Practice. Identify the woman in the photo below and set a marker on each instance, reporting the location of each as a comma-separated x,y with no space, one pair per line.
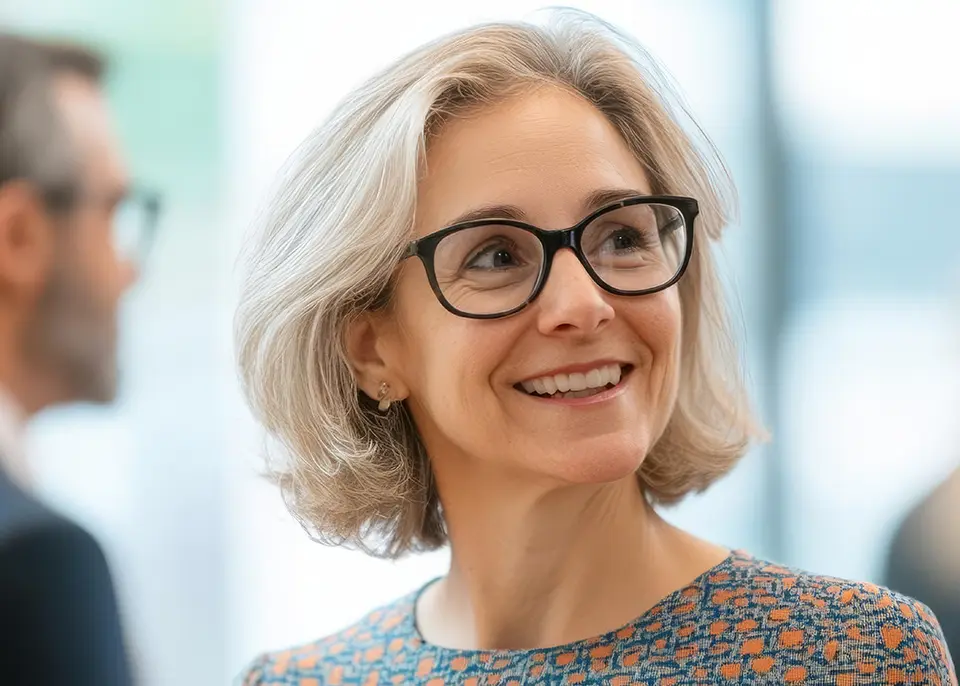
444,363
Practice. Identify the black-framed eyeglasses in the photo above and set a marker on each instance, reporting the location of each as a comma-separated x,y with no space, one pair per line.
490,268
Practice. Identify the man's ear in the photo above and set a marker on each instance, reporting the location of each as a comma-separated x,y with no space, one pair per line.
26,238
369,343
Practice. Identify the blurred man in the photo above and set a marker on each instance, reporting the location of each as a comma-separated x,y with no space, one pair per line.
62,181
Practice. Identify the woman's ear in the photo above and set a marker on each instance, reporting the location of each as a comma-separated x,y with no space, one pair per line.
369,343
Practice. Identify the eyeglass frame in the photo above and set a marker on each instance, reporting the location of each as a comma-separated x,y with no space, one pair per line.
551,242
67,198
152,203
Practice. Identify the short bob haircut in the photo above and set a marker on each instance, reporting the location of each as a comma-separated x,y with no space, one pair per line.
328,245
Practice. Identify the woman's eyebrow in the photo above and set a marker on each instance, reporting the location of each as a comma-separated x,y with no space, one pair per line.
492,211
594,200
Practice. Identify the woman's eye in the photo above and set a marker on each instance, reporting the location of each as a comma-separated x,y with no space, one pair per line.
493,257
626,239
623,241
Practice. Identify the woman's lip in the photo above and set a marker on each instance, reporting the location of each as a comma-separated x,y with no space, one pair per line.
577,369
602,396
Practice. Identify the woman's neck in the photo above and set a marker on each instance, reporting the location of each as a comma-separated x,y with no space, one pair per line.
542,567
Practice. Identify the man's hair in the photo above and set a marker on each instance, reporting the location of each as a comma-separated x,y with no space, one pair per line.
34,142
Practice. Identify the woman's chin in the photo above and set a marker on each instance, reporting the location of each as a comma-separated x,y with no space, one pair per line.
598,466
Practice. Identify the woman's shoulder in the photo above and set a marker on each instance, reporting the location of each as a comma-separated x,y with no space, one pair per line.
387,628
850,627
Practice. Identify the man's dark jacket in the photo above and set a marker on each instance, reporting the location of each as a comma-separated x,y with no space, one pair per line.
59,622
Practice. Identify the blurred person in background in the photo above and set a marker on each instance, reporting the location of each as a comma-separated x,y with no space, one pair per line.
442,364
924,556
63,271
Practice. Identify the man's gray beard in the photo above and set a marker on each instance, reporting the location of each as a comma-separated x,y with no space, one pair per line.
72,341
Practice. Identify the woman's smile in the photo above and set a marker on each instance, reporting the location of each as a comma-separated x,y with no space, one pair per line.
579,385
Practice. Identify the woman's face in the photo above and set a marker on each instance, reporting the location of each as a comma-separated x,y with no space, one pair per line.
545,154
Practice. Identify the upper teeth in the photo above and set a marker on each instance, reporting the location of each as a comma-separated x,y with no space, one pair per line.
595,378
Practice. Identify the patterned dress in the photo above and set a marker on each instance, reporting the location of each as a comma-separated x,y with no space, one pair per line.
745,621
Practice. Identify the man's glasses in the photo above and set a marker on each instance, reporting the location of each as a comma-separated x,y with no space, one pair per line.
490,268
135,224
133,217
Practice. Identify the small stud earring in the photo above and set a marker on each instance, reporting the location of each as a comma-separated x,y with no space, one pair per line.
384,402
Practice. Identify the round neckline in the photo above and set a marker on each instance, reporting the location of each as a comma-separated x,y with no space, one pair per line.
413,626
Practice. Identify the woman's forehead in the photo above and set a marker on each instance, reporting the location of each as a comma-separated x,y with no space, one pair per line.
546,153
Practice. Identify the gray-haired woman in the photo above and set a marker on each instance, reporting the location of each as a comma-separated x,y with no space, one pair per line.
482,312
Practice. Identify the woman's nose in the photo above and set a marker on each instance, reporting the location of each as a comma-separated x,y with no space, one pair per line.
571,302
